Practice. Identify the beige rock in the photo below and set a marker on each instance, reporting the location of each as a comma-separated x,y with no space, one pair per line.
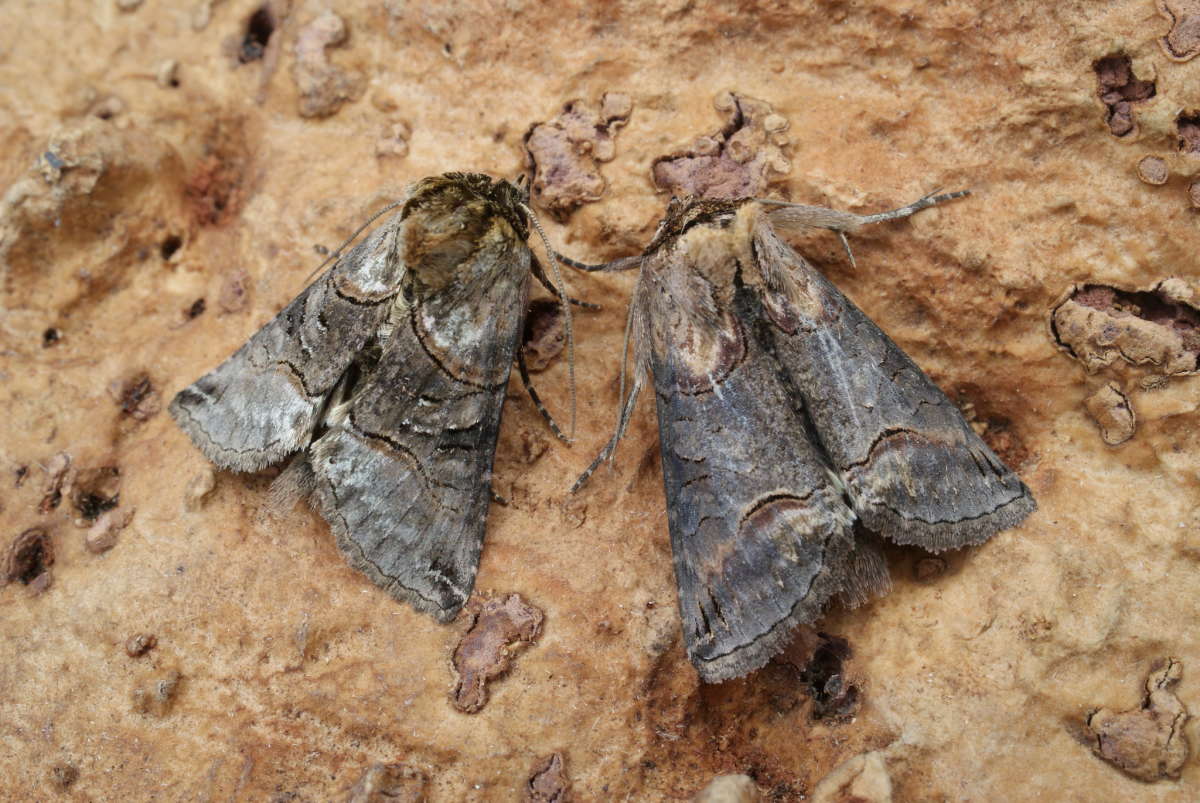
1147,742
1113,413
861,779
389,783
1153,170
102,535
548,783
729,789
966,673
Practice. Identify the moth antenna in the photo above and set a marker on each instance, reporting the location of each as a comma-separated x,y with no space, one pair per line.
537,400
620,263
849,253
564,300
624,374
791,215
924,202
351,238
541,277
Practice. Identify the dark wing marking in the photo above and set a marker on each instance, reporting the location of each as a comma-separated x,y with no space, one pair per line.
404,477
263,403
760,534
913,468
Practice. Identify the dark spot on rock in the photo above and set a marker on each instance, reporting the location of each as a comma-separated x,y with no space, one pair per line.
927,569
214,187
1188,126
138,645
19,476
824,677
52,159
1001,437
29,557
548,781
196,308
96,490
545,335
137,397
50,337
1119,89
63,776
259,28
170,245
497,629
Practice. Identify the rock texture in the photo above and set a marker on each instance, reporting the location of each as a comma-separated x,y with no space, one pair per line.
171,176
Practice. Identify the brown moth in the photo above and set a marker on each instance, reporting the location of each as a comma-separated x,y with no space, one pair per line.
385,379
786,418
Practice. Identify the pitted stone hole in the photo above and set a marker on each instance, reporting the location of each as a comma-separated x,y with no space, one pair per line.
50,337
1151,306
29,556
95,491
170,245
824,677
1119,89
259,29
1188,126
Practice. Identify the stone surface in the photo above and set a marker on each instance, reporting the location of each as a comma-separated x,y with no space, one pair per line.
1148,741
1113,413
279,673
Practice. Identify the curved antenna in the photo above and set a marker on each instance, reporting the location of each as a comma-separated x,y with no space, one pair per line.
352,237
566,309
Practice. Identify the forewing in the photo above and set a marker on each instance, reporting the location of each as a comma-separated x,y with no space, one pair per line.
262,403
913,468
760,535
404,477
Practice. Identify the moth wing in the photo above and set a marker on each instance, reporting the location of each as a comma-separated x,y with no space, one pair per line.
404,474
913,468
760,534
263,403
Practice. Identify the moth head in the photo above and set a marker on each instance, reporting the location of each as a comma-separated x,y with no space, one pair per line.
689,211
448,218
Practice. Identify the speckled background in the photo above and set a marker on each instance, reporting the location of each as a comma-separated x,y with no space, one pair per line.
134,188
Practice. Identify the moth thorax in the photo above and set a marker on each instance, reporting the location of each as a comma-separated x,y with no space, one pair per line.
441,244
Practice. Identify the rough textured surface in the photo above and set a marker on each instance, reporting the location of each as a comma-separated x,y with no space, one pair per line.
295,675
496,630
548,783
1148,741
1182,41
565,153
1113,413
739,160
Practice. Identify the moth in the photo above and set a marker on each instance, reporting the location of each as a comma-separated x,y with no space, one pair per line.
385,379
793,431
